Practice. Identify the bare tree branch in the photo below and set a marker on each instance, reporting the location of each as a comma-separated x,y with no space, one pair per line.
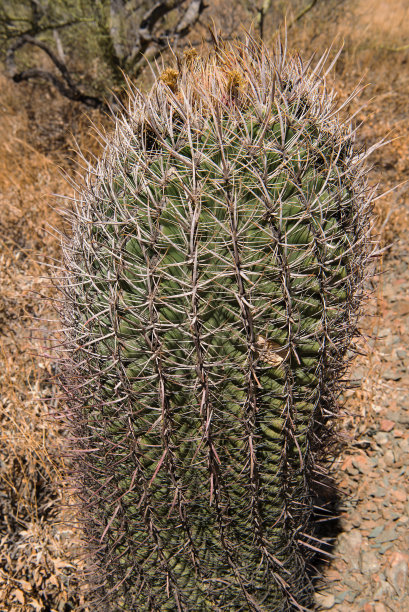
261,14
72,93
130,35
191,16
149,46
303,12
68,89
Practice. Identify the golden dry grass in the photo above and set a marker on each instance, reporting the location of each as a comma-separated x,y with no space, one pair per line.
375,40
38,561
39,551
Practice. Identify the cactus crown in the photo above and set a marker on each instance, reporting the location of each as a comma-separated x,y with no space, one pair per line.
214,278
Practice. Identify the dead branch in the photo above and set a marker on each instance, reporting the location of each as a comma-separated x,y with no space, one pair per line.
132,40
65,85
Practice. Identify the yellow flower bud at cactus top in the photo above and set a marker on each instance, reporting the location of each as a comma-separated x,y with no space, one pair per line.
170,78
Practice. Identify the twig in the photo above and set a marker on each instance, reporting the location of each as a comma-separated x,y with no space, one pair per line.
302,13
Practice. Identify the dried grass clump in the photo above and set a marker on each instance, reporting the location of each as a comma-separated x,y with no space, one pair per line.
37,536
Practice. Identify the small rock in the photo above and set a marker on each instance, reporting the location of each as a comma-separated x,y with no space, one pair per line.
404,401
384,332
403,418
348,466
388,535
325,601
358,374
381,438
384,591
386,425
397,572
399,495
379,492
400,416
389,515
339,598
389,458
360,603
402,308
383,548
351,596
349,546
401,354
374,461
347,463
362,464
352,582
369,563
345,523
404,445
376,531
391,375
355,519
379,607
333,575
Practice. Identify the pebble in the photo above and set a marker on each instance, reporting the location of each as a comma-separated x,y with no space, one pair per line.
369,562
355,519
380,492
399,495
391,375
389,457
397,572
352,582
349,546
362,464
381,438
325,601
387,425
339,598
384,332
387,536
404,444
383,591
399,417
383,548
376,531
389,515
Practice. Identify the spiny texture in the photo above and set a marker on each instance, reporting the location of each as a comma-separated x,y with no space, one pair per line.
214,279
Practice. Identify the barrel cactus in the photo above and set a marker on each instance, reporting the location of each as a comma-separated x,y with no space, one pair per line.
213,281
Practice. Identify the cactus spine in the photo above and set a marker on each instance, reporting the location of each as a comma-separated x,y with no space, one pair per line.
214,278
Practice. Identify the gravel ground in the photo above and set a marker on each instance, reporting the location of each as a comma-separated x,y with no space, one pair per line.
370,571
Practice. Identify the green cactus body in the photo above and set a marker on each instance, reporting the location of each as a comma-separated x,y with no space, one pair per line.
215,275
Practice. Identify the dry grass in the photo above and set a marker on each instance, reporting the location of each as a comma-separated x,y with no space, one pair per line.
38,563
39,550
375,40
